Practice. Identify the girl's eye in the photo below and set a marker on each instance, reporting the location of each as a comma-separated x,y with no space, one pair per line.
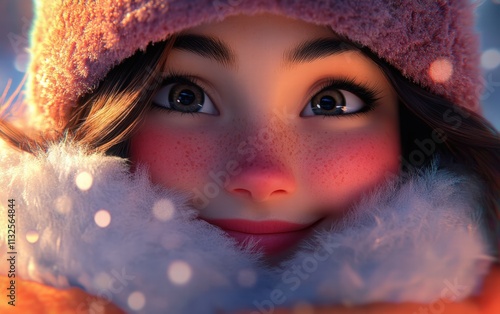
185,97
334,102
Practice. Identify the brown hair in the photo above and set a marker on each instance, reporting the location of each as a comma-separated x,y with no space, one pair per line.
466,138
105,119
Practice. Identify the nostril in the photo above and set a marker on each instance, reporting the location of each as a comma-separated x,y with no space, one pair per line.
260,185
256,195
278,192
243,192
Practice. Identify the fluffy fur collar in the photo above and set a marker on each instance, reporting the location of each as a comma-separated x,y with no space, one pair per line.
417,240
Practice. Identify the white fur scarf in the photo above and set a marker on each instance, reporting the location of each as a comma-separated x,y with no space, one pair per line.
420,240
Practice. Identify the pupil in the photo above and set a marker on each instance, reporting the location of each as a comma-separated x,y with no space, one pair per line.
327,103
186,97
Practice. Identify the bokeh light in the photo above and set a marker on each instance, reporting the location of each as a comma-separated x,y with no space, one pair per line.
441,70
21,62
84,180
163,209
102,218
179,272
490,59
136,300
32,236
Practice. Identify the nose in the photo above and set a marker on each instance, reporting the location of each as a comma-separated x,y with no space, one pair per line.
261,182
266,157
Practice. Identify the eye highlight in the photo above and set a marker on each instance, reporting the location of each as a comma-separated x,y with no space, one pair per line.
340,98
184,95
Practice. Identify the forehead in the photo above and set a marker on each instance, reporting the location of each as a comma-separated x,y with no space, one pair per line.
265,38
242,32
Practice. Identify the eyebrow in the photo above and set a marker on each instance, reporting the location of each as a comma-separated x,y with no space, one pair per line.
217,50
206,46
311,50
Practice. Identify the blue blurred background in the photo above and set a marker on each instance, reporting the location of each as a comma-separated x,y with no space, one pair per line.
16,16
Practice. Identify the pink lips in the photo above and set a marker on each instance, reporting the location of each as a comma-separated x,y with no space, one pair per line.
271,235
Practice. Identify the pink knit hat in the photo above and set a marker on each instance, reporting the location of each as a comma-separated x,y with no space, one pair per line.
75,43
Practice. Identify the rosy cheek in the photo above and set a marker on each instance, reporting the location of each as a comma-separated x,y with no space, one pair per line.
349,167
174,160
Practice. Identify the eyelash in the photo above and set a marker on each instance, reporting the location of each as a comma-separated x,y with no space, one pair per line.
179,77
174,77
368,95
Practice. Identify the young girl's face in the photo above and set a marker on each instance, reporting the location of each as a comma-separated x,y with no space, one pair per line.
272,125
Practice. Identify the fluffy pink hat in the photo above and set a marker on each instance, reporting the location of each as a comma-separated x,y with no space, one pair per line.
75,43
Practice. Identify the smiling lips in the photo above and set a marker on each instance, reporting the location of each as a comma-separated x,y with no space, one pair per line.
271,235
